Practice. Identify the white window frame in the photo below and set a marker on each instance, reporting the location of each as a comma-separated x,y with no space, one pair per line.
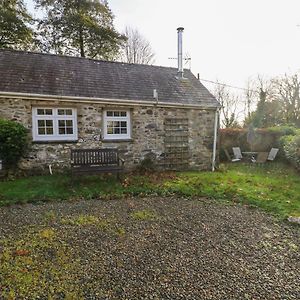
55,117
106,119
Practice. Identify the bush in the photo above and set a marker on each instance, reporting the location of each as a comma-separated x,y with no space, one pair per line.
146,165
284,130
13,141
291,148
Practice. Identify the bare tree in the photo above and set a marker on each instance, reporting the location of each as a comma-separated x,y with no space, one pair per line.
230,106
251,97
137,49
287,93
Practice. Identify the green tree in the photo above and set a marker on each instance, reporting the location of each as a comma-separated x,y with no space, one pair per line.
278,104
79,27
15,31
260,112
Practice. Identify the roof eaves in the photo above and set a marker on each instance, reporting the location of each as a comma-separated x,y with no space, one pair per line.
43,97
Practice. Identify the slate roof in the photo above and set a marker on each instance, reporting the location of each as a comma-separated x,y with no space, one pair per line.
46,74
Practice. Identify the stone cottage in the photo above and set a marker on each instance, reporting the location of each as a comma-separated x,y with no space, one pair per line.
144,111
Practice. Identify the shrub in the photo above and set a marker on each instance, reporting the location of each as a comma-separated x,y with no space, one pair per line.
146,165
291,148
13,141
284,130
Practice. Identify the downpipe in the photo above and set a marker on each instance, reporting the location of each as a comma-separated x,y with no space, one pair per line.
213,165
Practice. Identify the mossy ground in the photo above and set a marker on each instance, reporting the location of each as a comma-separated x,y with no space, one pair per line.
129,248
38,264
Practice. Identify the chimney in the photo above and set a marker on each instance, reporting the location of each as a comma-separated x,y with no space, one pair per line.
180,58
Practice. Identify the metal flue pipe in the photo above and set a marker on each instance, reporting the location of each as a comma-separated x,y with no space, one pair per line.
180,56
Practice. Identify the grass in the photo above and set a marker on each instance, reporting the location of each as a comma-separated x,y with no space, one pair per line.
273,187
143,215
84,220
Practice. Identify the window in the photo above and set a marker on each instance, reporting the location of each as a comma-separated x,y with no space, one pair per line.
116,125
54,124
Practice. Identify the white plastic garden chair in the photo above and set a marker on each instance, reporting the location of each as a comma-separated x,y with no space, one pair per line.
237,153
272,154
229,158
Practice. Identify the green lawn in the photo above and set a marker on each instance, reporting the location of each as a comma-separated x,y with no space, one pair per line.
274,187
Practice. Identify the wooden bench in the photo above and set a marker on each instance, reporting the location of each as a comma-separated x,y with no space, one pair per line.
94,161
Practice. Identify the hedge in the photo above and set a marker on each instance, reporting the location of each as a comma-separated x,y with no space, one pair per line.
264,139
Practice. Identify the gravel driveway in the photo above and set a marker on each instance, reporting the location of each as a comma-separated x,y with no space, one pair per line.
168,248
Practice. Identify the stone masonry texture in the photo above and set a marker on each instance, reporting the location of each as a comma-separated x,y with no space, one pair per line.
147,136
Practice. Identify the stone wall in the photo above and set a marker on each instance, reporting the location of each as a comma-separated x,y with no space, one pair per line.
147,133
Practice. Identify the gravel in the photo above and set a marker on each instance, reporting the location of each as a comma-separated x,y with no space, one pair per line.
187,249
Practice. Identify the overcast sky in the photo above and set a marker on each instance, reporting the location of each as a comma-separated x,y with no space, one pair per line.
231,40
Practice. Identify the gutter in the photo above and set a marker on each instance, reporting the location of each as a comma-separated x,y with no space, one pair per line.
213,164
105,101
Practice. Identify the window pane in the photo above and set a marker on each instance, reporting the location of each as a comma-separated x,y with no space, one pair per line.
61,130
69,130
123,113
62,112
48,111
49,123
109,113
116,124
124,130
116,113
49,130
69,123
61,123
41,130
45,127
116,130
41,123
40,111
123,124
109,130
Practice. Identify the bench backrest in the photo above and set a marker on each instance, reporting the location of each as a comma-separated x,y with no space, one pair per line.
102,157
